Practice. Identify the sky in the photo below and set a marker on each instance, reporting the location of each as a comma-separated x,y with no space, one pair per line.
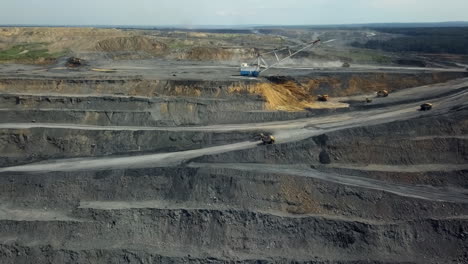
228,12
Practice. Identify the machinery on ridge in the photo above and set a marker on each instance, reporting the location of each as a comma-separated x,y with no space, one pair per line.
260,65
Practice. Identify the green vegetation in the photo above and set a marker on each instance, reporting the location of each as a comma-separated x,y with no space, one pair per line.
28,53
178,44
226,36
425,40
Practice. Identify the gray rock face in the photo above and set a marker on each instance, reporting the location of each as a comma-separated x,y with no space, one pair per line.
378,184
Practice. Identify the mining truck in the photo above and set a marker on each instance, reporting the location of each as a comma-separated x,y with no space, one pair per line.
74,62
382,93
426,107
322,97
267,139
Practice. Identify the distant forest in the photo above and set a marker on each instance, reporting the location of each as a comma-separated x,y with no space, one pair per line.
426,40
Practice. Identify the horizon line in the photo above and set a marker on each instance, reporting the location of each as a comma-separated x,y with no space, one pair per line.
213,26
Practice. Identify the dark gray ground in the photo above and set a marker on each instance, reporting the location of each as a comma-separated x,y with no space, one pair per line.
91,176
161,69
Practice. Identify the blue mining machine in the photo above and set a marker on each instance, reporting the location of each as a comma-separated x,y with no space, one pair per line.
249,70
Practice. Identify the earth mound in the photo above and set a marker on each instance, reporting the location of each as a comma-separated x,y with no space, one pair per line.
135,43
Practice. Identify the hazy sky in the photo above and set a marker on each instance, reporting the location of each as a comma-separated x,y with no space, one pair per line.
228,12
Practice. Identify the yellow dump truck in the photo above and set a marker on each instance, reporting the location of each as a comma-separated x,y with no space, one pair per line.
267,139
382,93
322,97
74,62
426,107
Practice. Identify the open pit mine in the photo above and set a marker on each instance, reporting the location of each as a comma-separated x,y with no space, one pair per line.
140,151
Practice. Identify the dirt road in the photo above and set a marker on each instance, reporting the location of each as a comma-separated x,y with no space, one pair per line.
286,131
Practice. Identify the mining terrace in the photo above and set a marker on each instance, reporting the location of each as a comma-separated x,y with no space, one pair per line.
157,161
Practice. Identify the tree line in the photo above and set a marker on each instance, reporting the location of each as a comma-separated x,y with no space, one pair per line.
424,40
